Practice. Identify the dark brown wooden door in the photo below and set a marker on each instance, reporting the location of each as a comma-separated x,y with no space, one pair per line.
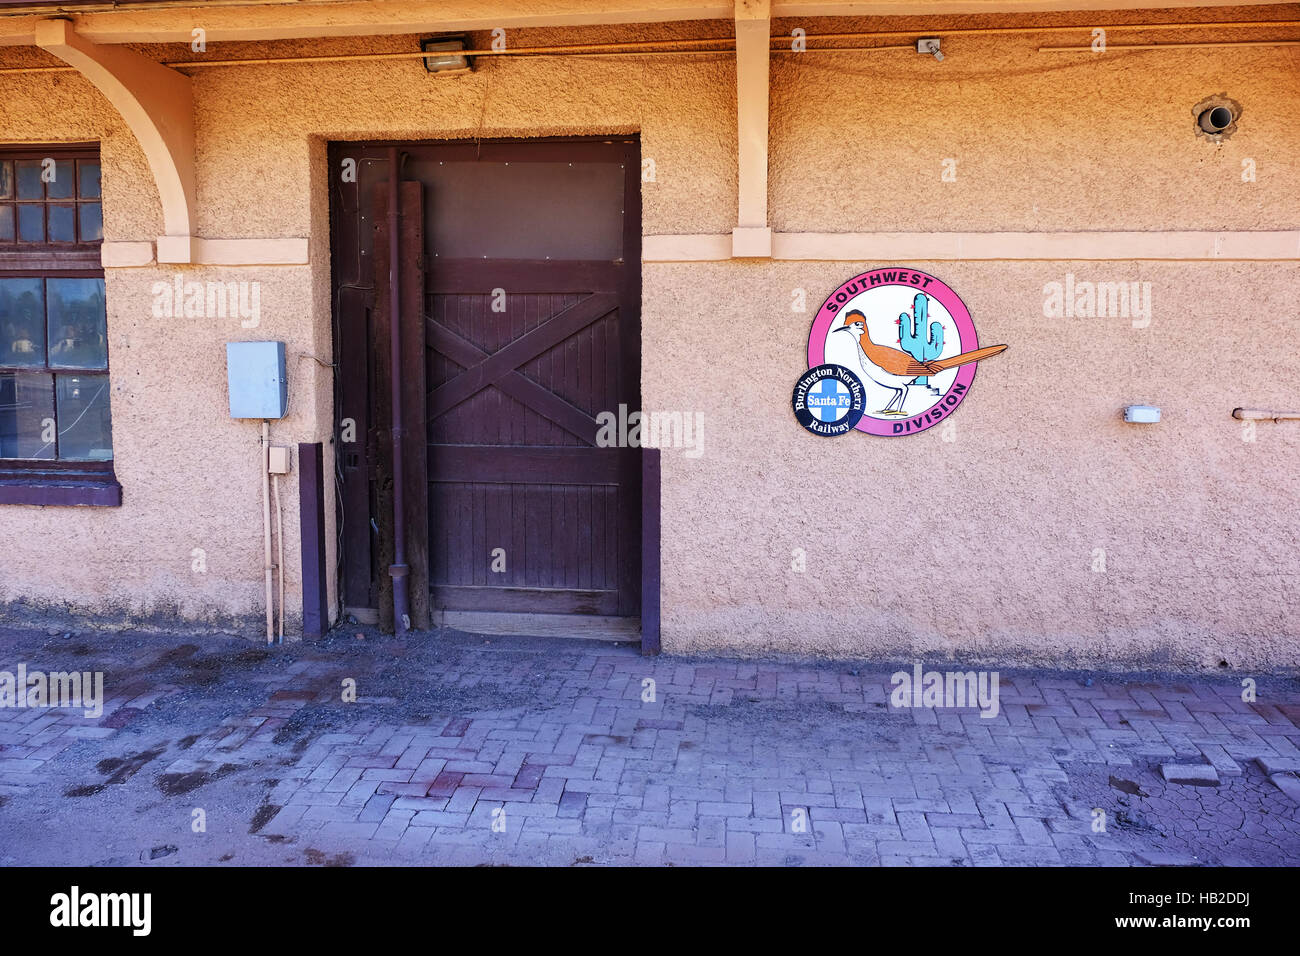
525,512
532,329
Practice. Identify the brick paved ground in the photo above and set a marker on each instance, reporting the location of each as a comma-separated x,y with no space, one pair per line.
462,749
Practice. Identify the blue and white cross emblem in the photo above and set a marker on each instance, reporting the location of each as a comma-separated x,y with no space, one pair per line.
829,400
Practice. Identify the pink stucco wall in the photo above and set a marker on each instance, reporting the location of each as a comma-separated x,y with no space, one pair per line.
985,543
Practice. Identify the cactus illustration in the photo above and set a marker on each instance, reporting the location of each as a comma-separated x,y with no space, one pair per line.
912,335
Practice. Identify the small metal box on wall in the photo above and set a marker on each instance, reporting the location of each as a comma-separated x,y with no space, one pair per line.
255,371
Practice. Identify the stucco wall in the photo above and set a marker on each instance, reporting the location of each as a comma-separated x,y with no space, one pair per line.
189,474
985,542
1041,141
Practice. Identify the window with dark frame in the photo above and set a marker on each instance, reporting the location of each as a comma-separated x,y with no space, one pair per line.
56,444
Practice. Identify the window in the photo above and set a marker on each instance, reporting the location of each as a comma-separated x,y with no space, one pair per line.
56,435
51,201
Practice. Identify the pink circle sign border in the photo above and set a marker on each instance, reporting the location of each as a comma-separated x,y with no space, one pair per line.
949,299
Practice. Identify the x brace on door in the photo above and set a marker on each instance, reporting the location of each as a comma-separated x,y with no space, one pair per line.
501,368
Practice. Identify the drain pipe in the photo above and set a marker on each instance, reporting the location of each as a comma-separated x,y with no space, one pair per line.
267,565
399,569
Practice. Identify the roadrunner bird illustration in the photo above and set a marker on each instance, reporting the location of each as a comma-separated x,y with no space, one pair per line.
896,370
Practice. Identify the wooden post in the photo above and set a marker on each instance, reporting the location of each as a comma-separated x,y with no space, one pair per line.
311,521
650,583
380,437
415,404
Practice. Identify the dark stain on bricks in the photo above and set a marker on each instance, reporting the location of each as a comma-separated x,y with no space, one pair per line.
204,671
317,858
304,696
226,858
120,718
176,655
122,769
88,790
177,784
208,670
264,815
1127,786
253,655
456,728
117,770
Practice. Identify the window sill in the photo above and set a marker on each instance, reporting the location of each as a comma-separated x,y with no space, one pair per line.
93,486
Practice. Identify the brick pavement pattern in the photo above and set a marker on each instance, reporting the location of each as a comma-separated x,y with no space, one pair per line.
460,749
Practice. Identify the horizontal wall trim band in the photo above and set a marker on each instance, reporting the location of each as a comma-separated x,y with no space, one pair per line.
125,255
910,246
108,22
191,250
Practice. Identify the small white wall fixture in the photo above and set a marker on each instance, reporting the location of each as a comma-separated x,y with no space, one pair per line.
157,104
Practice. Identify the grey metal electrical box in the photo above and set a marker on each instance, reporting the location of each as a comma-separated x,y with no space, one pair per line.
255,371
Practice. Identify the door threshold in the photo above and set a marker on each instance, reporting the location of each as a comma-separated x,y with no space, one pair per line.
586,626
363,615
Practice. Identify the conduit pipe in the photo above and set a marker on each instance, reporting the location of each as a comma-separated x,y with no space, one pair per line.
1263,415
1168,46
266,528
399,570
676,47
279,544
1074,27
726,44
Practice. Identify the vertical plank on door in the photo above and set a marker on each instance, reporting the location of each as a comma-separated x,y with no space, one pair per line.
415,441
381,397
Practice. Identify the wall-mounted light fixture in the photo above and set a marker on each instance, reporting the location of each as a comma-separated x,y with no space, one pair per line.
930,45
448,58
1141,414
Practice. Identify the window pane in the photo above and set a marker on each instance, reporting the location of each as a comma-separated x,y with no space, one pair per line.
6,223
63,223
6,179
78,326
467,202
89,183
29,179
31,223
61,185
92,222
26,415
85,426
22,314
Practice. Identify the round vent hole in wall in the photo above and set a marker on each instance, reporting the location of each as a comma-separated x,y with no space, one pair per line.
1216,117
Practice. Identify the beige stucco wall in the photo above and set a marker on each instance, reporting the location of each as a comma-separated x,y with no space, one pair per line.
985,542
190,475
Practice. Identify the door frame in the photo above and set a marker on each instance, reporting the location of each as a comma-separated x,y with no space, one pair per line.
344,397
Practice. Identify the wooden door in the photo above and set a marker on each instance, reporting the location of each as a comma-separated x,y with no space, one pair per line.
526,513
532,329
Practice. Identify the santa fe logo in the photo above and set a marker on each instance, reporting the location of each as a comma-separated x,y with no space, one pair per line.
906,338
